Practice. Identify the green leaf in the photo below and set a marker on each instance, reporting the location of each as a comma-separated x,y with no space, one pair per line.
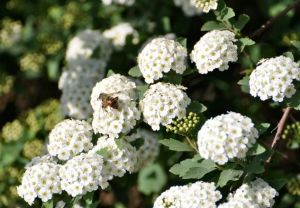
119,143
48,204
229,175
255,167
296,44
294,101
103,152
243,42
289,55
184,166
151,179
110,72
196,107
141,90
166,24
182,41
241,22
53,69
245,84
176,145
257,149
135,72
225,14
212,25
203,168
263,127
173,78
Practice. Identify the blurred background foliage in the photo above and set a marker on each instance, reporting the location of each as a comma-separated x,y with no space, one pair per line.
33,39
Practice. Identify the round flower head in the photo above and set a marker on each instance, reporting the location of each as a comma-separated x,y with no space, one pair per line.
162,103
119,33
121,2
69,138
205,5
148,149
82,174
119,156
188,8
160,56
199,194
226,137
273,78
257,192
114,105
86,43
214,51
40,181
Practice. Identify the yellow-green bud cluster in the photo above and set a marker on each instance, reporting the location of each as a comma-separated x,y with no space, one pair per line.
186,125
49,44
32,62
289,38
33,148
293,186
6,83
292,134
12,131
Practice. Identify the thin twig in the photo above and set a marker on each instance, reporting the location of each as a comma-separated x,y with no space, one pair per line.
270,22
280,128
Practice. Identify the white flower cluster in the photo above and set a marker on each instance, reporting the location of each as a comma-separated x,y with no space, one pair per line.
226,137
205,5
257,194
149,148
188,8
40,181
162,103
273,78
82,174
69,138
199,194
214,51
118,155
114,103
84,68
121,2
119,33
88,44
160,56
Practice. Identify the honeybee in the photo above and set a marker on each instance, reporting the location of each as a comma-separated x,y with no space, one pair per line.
109,101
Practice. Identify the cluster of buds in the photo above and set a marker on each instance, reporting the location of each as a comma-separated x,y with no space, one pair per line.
293,186
186,125
292,134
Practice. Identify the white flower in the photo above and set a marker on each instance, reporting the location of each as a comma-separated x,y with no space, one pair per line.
188,8
226,137
82,174
238,203
214,51
121,2
40,181
114,103
160,56
273,78
119,33
69,138
86,44
162,103
119,156
199,194
149,148
258,193
205,5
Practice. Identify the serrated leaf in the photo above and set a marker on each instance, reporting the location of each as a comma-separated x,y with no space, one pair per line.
244,42
241,22
229,175
196,107
103,152
203,168
245,84
135,72
257,149
151,179
184,166
176,145
225,14
263,127
141,90
212,25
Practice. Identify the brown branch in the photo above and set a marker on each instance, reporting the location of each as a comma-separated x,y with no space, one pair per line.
270,22
280,128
